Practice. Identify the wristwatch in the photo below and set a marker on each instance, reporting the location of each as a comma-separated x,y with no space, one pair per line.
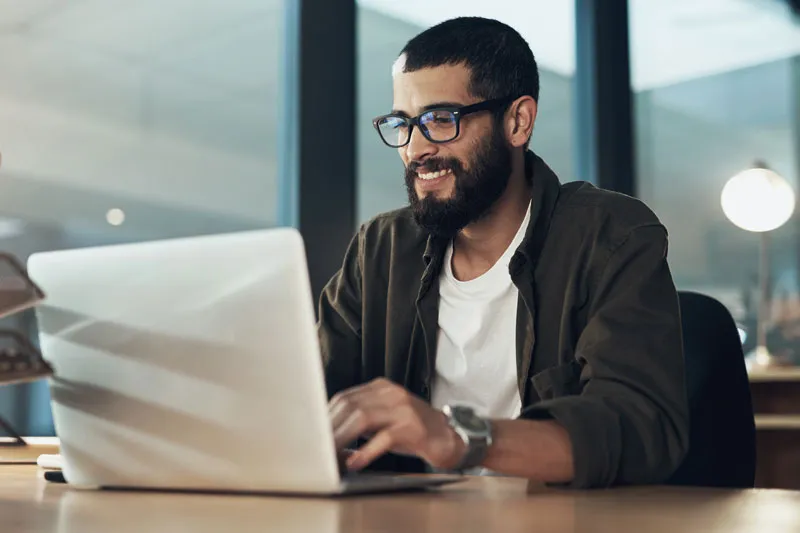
476,432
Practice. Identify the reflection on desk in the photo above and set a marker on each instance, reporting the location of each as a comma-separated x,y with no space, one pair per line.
30,505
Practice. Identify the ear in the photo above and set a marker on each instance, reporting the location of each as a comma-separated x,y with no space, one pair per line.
520,118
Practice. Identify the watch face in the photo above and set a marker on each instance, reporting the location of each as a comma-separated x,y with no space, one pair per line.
469,420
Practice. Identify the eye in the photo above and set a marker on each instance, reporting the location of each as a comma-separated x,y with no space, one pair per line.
438,118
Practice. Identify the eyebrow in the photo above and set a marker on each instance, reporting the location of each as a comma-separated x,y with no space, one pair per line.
436,105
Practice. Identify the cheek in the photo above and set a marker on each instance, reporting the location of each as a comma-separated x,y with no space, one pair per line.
466,148
465,155
402,153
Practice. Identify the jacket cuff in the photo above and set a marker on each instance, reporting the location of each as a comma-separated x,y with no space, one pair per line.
595,435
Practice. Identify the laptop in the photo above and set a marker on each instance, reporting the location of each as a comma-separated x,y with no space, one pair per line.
192,364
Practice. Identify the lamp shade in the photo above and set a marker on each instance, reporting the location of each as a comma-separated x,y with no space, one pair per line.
758,200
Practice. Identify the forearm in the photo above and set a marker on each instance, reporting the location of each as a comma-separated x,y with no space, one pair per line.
533,449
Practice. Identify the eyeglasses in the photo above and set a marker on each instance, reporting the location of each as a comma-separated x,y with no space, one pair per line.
439,125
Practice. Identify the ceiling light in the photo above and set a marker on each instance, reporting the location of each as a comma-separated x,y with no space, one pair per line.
115,216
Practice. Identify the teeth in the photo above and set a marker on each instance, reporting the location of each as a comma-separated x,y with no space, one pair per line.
434,175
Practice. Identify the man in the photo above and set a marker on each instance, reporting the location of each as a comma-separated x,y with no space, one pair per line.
502,320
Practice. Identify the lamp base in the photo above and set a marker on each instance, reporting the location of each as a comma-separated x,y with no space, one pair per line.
762,359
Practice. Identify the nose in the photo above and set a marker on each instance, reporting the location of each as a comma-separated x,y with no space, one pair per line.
419,148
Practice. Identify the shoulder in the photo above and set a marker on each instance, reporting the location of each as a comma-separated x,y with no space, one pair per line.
609,218
584,199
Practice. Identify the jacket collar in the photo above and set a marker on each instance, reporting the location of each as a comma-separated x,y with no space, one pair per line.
545,189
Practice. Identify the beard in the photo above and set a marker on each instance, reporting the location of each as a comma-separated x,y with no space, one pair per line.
476,188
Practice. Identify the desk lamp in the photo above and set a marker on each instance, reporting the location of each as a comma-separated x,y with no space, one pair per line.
761,201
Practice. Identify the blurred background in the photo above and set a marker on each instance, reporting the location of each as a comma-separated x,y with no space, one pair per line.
125,121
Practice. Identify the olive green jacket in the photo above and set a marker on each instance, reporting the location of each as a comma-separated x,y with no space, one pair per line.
599,342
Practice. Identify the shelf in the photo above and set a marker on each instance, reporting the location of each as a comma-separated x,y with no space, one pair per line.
775,374
777,422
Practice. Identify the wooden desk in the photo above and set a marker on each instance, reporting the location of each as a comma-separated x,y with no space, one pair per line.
28,454
28,504
776,405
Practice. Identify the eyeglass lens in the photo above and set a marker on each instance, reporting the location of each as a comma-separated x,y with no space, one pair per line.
437,125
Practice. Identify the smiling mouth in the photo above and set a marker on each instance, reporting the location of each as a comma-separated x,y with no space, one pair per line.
428,176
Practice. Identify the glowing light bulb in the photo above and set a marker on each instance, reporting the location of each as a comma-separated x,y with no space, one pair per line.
115,216
758,200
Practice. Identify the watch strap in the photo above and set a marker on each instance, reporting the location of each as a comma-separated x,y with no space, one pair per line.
477,445
477,448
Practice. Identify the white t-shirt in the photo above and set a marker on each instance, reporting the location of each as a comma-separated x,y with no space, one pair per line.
476,361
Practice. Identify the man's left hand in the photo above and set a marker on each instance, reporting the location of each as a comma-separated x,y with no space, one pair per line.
398,422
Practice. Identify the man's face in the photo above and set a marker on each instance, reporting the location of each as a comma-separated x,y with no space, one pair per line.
453,184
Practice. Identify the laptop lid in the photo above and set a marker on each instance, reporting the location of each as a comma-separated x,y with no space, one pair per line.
187,363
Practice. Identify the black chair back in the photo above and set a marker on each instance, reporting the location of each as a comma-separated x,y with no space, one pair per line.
722,439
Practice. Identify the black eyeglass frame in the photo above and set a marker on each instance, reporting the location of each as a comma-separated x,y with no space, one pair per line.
458,112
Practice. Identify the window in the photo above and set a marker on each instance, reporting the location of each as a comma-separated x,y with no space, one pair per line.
717,86
128,121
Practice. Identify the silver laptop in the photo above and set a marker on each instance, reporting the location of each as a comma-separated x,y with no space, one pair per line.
192,364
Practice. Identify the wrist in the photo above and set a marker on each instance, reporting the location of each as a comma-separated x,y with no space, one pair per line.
473,436
457,448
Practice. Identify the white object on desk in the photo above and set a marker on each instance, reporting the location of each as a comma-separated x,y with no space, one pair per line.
50,462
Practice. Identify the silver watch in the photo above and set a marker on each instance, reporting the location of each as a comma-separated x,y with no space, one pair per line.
476,432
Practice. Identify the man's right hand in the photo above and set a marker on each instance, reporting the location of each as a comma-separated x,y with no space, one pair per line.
342,456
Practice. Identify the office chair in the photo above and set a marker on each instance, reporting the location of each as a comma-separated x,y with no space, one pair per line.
722,430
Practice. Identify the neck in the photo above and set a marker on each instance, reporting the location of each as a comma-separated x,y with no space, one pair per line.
477,247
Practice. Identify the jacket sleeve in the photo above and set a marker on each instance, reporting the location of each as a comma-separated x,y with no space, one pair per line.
339,322
630,423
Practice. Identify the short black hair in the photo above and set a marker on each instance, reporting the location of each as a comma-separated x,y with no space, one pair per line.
500,61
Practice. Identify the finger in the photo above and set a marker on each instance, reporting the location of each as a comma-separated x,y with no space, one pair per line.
343,404
347,429
378,445
379,394
342,397
340,411
342,456
375,390
361,421
344,453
